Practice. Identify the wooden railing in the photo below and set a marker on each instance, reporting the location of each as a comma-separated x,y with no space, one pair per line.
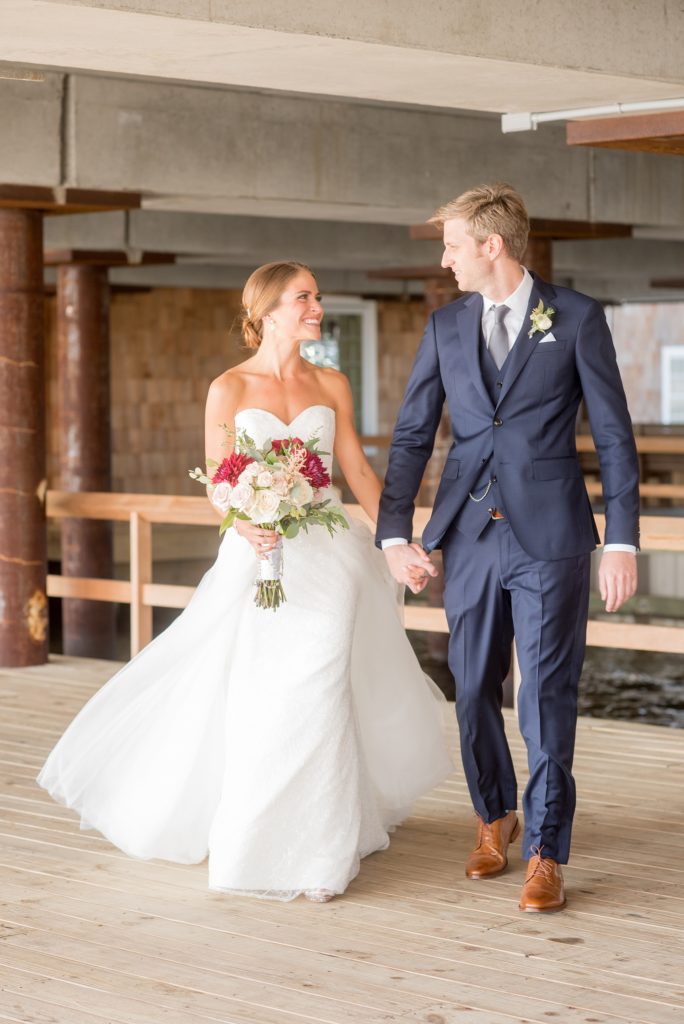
647,445
142,511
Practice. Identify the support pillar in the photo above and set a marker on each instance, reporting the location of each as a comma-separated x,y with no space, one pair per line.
88,627
23,532
538,257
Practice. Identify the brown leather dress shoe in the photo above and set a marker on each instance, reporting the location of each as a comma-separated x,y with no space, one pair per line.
543,891
489,858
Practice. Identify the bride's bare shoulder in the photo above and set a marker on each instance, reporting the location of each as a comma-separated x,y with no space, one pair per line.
334,384
229,385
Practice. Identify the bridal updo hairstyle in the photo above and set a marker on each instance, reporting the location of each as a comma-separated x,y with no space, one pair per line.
262,293
490,210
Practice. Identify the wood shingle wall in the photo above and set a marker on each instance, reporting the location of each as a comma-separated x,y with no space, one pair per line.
167,345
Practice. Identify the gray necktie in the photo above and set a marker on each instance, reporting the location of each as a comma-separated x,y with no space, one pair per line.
498,339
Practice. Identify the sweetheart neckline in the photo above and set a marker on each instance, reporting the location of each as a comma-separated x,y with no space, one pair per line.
276,417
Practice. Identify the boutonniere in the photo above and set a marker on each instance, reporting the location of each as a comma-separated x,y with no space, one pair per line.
541,318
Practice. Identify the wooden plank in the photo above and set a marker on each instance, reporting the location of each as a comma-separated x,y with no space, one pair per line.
86,930
619,635
657,132
671,491
141,574
92,589
167,595
155,508
646,444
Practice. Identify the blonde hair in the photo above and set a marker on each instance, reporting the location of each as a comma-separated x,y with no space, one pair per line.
262,293
490,210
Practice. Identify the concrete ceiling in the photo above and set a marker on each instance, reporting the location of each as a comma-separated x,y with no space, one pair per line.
175,98
467,55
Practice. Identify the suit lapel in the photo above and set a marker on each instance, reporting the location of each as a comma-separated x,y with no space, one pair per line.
524,346
469,320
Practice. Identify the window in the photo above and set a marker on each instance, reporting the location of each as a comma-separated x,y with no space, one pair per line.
349,343
672,384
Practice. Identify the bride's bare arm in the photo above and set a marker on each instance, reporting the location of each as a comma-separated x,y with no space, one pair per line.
413,565
358,473
222,403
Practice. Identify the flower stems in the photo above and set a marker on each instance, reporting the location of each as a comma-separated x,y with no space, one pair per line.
269,594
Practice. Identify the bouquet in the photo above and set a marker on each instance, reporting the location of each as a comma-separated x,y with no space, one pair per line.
279,487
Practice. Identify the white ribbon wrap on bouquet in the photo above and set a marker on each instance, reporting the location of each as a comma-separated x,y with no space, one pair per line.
271,565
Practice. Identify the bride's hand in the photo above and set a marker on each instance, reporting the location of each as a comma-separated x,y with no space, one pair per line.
410,565
261,540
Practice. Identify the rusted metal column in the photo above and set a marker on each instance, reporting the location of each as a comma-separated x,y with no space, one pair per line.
23,535
88,627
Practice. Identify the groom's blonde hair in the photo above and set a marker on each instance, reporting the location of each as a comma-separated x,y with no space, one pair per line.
490,210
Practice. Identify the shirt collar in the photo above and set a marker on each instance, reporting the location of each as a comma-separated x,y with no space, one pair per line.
518,300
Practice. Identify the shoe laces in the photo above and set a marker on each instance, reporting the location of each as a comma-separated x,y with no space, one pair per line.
542,865
484,834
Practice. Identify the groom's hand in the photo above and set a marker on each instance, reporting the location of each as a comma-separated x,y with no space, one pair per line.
617,578
410,565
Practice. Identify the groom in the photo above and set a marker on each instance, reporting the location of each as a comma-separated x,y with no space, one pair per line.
513,359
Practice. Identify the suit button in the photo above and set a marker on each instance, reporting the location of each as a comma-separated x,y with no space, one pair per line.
493,479
483,461
499,384
498,422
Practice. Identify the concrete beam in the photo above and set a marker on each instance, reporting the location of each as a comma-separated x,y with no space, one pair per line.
31,144
620,269
229,151
228,240
536,56
215,249
213,276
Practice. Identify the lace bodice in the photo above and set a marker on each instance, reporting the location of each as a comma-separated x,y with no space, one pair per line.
314,421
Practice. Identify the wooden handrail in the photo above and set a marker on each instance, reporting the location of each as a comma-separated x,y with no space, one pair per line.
658,533
646,444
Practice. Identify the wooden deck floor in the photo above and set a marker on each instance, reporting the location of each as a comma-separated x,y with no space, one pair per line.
89,936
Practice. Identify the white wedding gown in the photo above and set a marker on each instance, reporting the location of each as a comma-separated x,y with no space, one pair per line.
285,745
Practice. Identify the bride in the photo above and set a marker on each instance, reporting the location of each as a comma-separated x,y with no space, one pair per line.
284,745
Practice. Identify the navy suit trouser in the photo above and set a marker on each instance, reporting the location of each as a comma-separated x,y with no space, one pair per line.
494,591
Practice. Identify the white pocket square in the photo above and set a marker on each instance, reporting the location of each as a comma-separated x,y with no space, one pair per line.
547,337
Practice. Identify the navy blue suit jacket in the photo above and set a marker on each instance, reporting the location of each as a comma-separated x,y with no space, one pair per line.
528,436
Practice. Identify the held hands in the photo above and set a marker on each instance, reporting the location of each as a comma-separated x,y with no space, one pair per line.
261,540
410,565
617,578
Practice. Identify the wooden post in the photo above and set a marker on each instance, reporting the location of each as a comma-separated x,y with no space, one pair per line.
23,537
141,573
88,627
538,257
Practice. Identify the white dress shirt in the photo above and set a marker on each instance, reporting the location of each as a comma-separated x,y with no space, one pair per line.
517,303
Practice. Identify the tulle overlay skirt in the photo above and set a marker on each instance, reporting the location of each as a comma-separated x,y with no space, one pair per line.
285,746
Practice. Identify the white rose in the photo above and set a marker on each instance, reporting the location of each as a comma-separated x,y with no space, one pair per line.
302,493
280,485
221,496
242,496
249,472
265,507
544,322
263,478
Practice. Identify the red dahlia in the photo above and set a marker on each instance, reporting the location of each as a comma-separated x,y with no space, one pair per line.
315,472
230,469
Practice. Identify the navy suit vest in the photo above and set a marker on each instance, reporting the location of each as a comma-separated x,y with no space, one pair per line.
474,515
